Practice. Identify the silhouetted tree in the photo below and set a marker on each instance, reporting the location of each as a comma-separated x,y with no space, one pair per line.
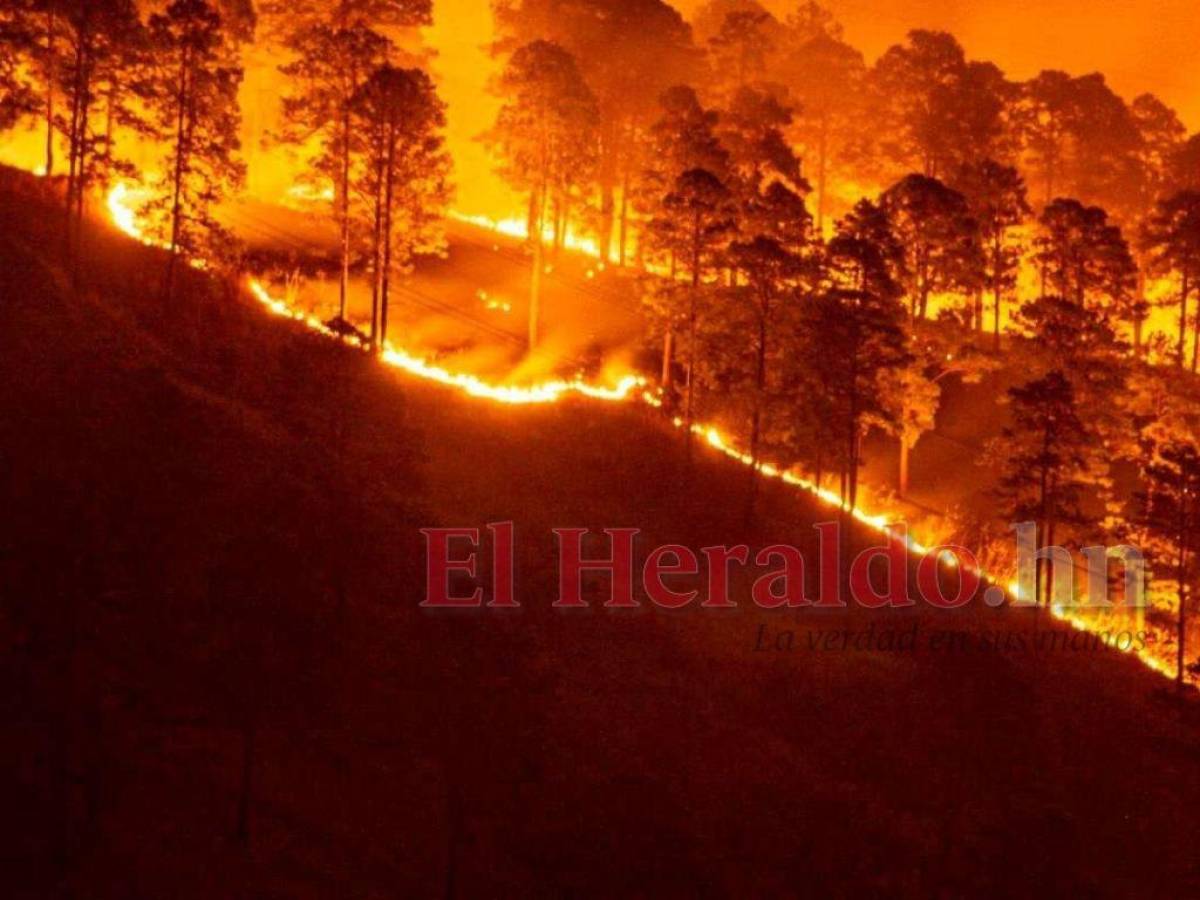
1045,113
772,267
405,167
1184,167
741,48
100,44
332,63
825,78
1171,513
192,94
545,130
683,139
936,109
696,222
940,239
1171,238
1081,140
1162,135
1042,459
854,326
996,201
628,52
1084,257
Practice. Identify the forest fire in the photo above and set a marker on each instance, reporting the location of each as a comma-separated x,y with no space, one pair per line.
439,432
628,388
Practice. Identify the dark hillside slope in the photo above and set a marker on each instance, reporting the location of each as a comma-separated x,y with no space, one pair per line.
216,681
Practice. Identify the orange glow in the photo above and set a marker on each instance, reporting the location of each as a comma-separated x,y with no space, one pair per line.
629,387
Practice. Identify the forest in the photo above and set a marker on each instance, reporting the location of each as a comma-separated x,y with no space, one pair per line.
820,246
279,294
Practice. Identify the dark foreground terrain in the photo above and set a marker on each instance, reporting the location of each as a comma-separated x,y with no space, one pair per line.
216,680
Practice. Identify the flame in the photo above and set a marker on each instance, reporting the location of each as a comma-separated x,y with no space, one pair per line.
123,211
518,228
629,388
547,392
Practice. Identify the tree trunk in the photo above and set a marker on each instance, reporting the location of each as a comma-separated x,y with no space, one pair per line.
181,151
51,75
607,199
822,174
377,255
668,340
1196,342
760,384
1182,580
905,452
1183,318
624,223
344,214
692,312
388,203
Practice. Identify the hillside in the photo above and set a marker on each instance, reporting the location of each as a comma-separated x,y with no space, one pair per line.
218,681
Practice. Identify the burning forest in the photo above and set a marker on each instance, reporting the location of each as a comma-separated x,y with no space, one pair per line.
436,426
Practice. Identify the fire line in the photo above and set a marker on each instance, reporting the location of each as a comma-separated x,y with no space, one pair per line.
629,388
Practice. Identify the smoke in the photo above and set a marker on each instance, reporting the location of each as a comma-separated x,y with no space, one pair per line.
1140,45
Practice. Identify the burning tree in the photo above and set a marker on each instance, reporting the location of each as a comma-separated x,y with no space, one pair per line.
99,50
192,93
1171,514
628,52
1084,257
1171,238
940,239
826,78
695,223
545,136
404,173
336,47
1043,460
854,328
997,203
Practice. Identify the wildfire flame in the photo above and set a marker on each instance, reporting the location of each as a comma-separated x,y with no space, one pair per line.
629,388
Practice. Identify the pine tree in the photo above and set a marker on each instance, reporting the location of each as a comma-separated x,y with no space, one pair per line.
192,94
335,48
697,221
1171,238
404,172
940,239
1084,257
331,66
1171,509
1043,460
854,329
545,135
101,43
996,200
